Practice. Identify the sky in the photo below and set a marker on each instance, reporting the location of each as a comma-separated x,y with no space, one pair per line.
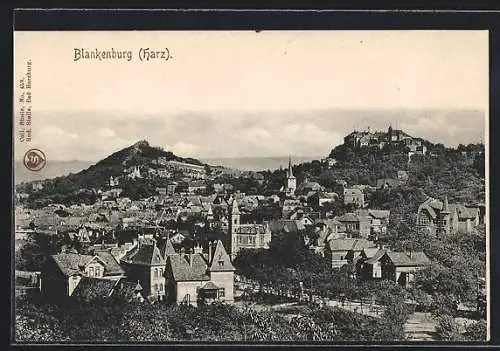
248,94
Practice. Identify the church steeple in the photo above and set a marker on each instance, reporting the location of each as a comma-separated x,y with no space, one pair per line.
446,208
235,210
290,170
291,182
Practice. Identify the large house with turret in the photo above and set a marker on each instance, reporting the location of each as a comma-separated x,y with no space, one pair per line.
199,277
146,264
245,236
440,217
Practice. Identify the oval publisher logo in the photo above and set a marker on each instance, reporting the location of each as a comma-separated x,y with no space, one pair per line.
34,160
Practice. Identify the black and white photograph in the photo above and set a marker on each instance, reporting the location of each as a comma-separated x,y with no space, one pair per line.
286,186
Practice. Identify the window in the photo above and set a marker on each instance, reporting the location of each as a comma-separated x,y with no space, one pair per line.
221,293
97,271
235,221
341,258
161,272
221,263
161,287
156,272
155,288
91,271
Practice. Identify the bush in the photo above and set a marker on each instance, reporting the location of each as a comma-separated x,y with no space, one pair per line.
475,331
447,329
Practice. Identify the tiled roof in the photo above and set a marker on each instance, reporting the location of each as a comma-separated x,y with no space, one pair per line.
72,263
112,266
371,251
195,200
464,212
144,254
434,203
374,258
92,288
221,261
348,217
361,244
167,248
127,289
404,259
182,270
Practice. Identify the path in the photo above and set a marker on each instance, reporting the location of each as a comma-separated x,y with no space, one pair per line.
420,327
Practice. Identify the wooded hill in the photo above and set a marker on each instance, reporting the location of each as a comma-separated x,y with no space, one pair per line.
81,186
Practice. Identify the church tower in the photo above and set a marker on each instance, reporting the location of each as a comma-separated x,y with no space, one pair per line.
234,223
444,218
291,181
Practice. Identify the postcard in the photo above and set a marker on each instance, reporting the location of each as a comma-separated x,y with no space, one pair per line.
251,186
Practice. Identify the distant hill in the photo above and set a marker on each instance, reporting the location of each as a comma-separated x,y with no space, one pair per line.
139,154
96,176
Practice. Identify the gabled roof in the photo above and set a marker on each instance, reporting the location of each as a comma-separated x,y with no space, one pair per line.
167,248
127,289
73,263
375,257
145,254
112,267
182,270
220,260
370,252
404,259
92,288
464,212
380,214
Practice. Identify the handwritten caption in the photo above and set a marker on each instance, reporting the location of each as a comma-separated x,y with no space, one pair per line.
24,101
142,54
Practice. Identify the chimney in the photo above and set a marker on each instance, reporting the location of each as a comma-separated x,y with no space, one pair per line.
209,251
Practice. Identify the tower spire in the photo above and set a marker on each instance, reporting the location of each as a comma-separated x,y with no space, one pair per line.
235,210
445,205
290,173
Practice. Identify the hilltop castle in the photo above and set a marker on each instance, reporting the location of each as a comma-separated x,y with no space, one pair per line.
379,139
